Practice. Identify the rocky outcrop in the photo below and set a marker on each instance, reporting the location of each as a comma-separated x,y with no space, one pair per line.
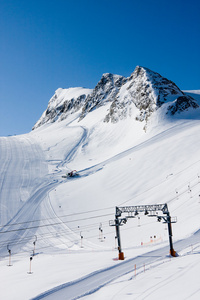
105,91
137,96
181,104
62,104
147,91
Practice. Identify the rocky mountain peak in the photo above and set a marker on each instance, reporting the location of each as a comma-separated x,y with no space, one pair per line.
146,91
137,96
105,91
147,82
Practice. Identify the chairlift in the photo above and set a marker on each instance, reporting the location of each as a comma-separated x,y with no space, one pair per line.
124,220
159,219
9,251
152,214
150,210
130,215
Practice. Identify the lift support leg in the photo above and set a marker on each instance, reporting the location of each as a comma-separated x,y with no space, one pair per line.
121,254
172,251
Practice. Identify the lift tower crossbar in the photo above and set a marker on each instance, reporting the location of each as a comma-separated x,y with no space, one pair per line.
150,210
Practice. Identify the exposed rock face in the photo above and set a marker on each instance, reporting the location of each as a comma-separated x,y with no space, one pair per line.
147,91
105,91
63,103
137,96
182,103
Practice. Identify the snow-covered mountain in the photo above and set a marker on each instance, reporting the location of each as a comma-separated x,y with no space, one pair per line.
63,103
105,91
148,91
63,223
138,96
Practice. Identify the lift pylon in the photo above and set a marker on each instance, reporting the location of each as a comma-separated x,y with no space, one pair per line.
149,210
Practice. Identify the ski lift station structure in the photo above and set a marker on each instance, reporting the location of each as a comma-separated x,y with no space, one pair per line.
150,211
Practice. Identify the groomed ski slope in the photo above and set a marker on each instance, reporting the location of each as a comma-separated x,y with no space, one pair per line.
117,165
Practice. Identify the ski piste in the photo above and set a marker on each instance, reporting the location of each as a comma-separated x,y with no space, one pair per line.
37,202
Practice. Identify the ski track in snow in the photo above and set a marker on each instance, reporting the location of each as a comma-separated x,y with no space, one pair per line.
23,166
93,282
23,155
152,140
73,151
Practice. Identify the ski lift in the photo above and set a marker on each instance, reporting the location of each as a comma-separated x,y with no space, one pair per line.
34,243
9,251
152,214
130,215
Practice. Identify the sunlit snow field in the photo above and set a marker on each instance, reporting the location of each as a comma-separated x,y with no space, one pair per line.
118,164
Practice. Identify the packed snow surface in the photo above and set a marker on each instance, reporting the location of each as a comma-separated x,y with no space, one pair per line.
63,223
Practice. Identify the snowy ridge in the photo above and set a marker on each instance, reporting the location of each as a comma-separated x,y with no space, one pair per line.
63,103
119,164
105,91
145,92
138,97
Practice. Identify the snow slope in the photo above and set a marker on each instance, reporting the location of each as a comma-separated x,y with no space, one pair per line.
118,164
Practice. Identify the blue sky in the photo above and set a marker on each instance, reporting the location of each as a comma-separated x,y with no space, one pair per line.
45,45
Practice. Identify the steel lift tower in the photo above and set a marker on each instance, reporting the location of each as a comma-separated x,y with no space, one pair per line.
150,211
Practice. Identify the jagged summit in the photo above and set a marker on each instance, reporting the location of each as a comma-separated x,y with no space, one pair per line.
147,91
161,85
105,91
137,96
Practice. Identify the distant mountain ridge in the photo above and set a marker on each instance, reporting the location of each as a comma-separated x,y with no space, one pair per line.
144,91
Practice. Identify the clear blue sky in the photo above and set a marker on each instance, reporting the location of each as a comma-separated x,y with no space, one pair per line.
49,44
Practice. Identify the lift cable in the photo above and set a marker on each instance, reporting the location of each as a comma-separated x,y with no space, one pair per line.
63,216
58,223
